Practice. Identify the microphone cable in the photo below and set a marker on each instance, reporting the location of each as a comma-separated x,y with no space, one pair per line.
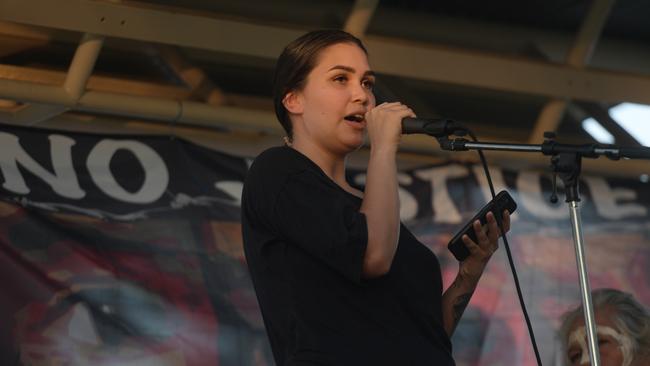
509,254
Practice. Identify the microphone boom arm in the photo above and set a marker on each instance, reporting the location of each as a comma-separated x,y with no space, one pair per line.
550,147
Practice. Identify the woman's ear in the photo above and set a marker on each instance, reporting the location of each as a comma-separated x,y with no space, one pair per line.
293,103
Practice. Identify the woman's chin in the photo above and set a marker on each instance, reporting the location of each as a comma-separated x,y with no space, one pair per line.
354,144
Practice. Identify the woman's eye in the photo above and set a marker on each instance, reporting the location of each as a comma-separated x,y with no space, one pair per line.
341,79
368,84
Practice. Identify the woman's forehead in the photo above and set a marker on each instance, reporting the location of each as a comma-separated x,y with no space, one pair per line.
343,55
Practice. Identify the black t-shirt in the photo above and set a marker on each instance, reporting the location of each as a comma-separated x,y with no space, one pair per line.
304,240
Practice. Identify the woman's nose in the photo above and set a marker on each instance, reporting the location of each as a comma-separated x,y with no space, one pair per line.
360,95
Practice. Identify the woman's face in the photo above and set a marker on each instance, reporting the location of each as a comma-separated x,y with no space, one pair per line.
329,111
615,347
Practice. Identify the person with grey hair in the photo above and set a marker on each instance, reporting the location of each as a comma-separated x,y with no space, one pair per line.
622,327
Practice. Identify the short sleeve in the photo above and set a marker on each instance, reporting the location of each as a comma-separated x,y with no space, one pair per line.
323,221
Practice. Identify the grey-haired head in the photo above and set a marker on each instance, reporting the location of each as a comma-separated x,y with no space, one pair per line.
629,318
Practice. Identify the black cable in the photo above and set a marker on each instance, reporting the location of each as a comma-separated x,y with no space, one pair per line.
510,261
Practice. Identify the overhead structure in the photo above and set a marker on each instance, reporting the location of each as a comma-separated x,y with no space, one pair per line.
359,18
578,57
209,64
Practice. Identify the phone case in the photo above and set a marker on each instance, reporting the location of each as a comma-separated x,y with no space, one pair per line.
502,201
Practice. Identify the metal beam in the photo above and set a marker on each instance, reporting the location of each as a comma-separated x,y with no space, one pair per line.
34,33
360,16
412,60
506,73
74,84
429,28
590,30
579,55
95,82
174,111
198,81
12,45
82,65
601,114
150,24
32,114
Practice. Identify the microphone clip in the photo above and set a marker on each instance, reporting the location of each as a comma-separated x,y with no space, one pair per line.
457,144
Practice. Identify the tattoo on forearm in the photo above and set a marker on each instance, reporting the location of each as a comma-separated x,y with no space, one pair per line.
460,303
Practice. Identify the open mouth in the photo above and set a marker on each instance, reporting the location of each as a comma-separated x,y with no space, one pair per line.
355,118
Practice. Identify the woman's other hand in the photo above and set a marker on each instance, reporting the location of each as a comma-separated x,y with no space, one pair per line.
488,243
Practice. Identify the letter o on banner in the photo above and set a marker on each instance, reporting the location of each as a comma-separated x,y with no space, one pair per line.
156,174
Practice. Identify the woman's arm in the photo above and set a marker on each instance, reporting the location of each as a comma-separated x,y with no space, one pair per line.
381,201
457,296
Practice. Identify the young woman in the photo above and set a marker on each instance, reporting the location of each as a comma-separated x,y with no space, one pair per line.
339,280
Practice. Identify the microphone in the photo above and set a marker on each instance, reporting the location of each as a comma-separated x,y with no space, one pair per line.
436,127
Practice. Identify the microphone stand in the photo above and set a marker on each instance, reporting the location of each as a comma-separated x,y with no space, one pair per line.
566,162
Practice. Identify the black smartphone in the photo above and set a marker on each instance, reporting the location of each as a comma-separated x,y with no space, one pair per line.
502,201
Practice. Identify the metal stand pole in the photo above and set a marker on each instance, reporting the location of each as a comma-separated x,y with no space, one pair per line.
592,339
567,166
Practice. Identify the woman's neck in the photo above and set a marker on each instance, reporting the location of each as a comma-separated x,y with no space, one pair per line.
332,164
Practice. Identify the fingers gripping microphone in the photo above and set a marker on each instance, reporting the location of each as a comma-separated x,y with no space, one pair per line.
437,127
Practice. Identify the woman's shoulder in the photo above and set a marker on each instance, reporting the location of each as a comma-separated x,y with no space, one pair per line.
275,154
274,166
281,161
